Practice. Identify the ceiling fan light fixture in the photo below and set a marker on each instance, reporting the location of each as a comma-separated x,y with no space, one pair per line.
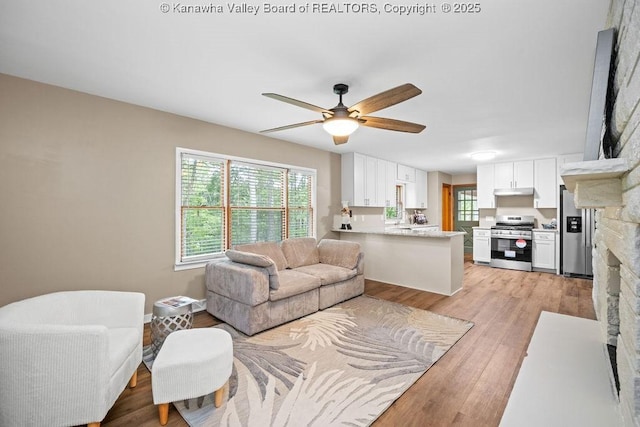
340,126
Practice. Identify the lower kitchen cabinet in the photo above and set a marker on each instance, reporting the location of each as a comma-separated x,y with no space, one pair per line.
481,245
544,250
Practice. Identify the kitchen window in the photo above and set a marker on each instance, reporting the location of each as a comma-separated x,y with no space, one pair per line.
224,201
395,212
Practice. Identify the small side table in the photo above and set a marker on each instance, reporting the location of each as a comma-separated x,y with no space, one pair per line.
169,315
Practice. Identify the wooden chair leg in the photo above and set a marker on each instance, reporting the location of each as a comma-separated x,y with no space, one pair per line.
93,424
163,412
134,379
217,396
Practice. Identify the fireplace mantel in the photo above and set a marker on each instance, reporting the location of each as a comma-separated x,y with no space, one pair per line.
595,184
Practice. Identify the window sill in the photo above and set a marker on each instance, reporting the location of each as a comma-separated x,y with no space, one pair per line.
195,264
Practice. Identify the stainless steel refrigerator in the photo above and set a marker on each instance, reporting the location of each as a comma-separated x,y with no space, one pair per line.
576,237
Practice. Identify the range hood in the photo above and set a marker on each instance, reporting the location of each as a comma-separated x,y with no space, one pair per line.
525,191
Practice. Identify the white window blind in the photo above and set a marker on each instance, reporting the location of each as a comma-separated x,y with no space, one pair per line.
256,203
202,213
300,203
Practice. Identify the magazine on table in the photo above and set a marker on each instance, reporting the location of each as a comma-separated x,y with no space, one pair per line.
179,301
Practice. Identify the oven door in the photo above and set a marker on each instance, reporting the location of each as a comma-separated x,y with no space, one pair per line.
509,252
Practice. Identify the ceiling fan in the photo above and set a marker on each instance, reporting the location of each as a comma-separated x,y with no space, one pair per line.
341,121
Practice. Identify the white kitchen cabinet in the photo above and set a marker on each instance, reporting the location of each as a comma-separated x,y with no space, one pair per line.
359,180
390,185
416,193
406,173
485,186
545,185
544,250
481,245
386,183
514,174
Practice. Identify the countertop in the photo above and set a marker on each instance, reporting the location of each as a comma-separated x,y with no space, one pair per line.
415,232
548,230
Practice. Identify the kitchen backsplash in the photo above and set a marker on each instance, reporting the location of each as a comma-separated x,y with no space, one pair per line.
362,218
512,205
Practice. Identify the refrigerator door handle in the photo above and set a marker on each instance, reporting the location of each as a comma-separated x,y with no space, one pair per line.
583,213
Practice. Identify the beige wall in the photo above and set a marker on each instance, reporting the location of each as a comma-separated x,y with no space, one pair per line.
88,191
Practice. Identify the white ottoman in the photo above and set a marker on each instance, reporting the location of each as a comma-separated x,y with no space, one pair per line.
191,363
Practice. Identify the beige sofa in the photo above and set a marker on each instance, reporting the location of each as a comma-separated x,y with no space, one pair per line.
262,285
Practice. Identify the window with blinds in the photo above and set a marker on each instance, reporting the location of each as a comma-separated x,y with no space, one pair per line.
300,204
202,213
257,204
225,202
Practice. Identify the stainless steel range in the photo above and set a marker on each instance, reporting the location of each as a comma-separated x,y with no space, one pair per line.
511,242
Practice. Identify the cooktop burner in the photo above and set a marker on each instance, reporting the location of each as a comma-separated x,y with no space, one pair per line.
515,222
513,226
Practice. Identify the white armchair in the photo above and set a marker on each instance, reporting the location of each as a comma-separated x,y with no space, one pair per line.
65,357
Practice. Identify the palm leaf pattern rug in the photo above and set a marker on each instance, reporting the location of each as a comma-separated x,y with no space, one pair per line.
341,366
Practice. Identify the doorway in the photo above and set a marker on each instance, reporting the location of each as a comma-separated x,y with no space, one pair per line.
465,212
447,208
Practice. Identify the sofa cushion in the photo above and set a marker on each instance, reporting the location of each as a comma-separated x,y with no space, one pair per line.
293,282
256,260
300,251
270,249
339,252
249,258
328,274
122,342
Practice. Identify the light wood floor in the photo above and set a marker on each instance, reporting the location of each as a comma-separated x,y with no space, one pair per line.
470,385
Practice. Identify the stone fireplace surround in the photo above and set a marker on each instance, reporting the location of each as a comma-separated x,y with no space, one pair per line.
616,253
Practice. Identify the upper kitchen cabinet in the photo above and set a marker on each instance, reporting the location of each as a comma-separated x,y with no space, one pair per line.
417,192
514,174
545,184
406,173
485,186
386,183
359,180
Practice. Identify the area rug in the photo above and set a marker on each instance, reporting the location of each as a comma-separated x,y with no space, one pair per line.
341,366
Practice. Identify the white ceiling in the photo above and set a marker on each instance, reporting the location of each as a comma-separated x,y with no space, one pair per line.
514,78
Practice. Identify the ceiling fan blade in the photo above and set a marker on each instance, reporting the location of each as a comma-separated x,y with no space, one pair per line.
296,125
386,99
392,124
340,139
297,103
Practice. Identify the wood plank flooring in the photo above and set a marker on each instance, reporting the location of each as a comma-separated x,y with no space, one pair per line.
470,385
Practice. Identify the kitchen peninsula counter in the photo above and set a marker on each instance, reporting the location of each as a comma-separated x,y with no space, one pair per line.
429,260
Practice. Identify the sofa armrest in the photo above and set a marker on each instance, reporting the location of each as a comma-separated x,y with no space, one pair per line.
360,266
341,253
244,283
257,260
41,363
